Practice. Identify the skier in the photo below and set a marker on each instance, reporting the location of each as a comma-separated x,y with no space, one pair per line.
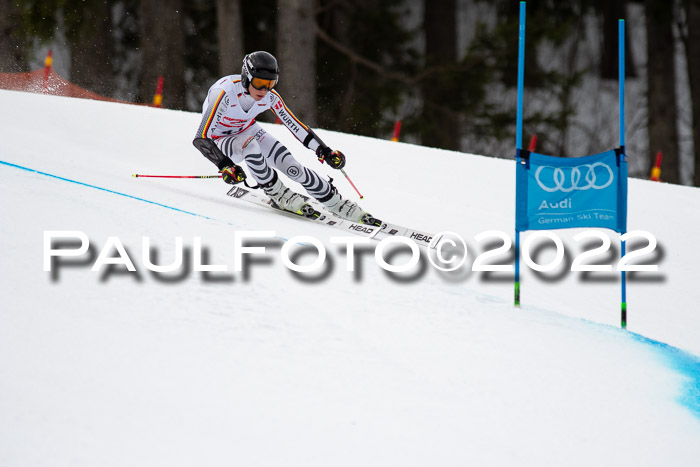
229,134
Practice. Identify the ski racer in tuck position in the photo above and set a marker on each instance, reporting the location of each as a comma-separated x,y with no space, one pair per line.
229,135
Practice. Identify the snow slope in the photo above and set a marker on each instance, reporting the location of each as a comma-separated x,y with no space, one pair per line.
265,367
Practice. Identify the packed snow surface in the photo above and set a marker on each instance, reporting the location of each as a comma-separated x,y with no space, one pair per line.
268,367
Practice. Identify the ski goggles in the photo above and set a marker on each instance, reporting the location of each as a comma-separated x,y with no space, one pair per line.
260,83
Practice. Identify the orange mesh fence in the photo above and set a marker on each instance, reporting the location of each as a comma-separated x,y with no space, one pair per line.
46,81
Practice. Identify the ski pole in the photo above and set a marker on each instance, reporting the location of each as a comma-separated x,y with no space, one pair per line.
176,176
313,133
353,185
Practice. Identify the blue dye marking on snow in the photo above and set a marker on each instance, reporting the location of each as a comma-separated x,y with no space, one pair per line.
9,164
684,363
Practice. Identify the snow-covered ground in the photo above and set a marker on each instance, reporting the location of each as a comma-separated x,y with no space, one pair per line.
265,367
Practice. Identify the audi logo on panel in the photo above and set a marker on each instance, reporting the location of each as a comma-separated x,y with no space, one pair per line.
581,177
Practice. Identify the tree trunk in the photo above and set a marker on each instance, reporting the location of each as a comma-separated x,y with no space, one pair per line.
296,53
339,26
661,93
230,36
92,49
613,11
163,49
693,56
12,46
439,129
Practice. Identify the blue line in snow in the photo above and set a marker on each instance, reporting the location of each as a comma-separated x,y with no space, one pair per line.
103,189
684,363
9,164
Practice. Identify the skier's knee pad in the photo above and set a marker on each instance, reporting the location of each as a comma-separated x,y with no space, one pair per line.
238,147
287,164
246,145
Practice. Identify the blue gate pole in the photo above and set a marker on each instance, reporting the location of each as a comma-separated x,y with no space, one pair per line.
621,79
519,136
521,74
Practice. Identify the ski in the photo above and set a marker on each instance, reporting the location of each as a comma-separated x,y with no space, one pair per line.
421,238
387,229
322,217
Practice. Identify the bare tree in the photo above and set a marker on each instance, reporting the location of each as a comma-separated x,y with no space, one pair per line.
692,10
614,10
163,50
230,36
338,21
92,48
296,52
661,76
441,127
12,46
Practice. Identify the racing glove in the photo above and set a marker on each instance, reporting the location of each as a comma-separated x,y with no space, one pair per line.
335,159
232,174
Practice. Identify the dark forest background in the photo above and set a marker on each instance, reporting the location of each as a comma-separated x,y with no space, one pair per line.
357,66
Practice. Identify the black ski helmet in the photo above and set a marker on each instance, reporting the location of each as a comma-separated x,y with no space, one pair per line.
259,64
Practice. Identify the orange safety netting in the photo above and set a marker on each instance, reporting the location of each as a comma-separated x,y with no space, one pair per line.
46,81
